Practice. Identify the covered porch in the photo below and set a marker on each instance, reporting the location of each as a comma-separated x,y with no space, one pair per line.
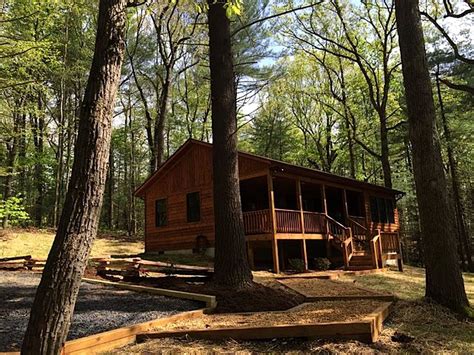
285,217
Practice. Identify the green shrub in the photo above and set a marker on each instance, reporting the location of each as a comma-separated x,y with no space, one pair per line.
322,264
13,209
297,264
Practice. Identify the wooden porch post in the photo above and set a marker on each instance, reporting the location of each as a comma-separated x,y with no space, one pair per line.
325,210
346,208
367,214
271,204
300,206
323,193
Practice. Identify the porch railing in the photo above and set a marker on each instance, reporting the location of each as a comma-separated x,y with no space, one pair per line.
288,221
314,222
359,231
257,222
390,242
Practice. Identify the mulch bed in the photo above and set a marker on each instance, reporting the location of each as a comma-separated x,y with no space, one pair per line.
317,287
254,299
98,308
310,313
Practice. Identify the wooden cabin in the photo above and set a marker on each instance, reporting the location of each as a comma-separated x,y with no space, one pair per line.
289,212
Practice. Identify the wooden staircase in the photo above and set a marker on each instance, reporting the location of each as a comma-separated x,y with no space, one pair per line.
361,260
359,250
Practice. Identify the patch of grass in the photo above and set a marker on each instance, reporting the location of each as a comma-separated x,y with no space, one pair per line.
37,243
408,285
434,327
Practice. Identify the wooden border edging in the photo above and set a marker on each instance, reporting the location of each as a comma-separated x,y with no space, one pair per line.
209,300
116,338
367,330
360,330
122,336
377,318
331,275
378,297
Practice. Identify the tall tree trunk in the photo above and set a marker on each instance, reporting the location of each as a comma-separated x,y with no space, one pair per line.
131,185
22,155
385,152
38,139
110,191
347,119
231,264
444,282
52,308
12,148
60,159
462,228
160,123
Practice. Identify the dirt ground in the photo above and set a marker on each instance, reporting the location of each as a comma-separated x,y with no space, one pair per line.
316,287
414,326
269,296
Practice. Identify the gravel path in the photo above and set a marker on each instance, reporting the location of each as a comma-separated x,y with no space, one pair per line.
98,308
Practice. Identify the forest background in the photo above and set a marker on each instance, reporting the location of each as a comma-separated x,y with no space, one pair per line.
320,87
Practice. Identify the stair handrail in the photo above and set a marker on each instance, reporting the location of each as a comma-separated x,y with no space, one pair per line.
353,221
353,224
376,249
346,231
347,250
346,239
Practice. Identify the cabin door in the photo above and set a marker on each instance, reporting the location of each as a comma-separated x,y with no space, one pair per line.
335,203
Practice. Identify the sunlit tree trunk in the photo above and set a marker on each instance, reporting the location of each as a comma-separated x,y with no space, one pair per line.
56,295
231,265
444,282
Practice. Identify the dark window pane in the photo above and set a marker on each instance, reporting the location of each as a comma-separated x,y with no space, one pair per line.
374,212
161,217
382,210
193,207
390,211
354,203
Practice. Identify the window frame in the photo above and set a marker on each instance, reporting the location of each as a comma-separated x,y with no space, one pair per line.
188,207
385,204
165,204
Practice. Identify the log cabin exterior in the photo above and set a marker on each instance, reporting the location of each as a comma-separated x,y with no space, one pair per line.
289,212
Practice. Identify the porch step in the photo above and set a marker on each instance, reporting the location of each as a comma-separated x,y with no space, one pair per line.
361,253
359,267
361,261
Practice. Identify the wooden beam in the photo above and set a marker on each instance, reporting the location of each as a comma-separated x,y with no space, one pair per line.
358,330
300,204
323,194
271,204
304,254
209,300
367,213
325,210
400,253
292,236
112,339
346,207
299,194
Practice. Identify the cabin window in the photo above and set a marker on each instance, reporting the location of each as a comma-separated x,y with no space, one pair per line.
354,203
161,217
382,210
193,207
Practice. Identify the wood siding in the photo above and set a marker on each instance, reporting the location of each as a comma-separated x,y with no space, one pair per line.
191,172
